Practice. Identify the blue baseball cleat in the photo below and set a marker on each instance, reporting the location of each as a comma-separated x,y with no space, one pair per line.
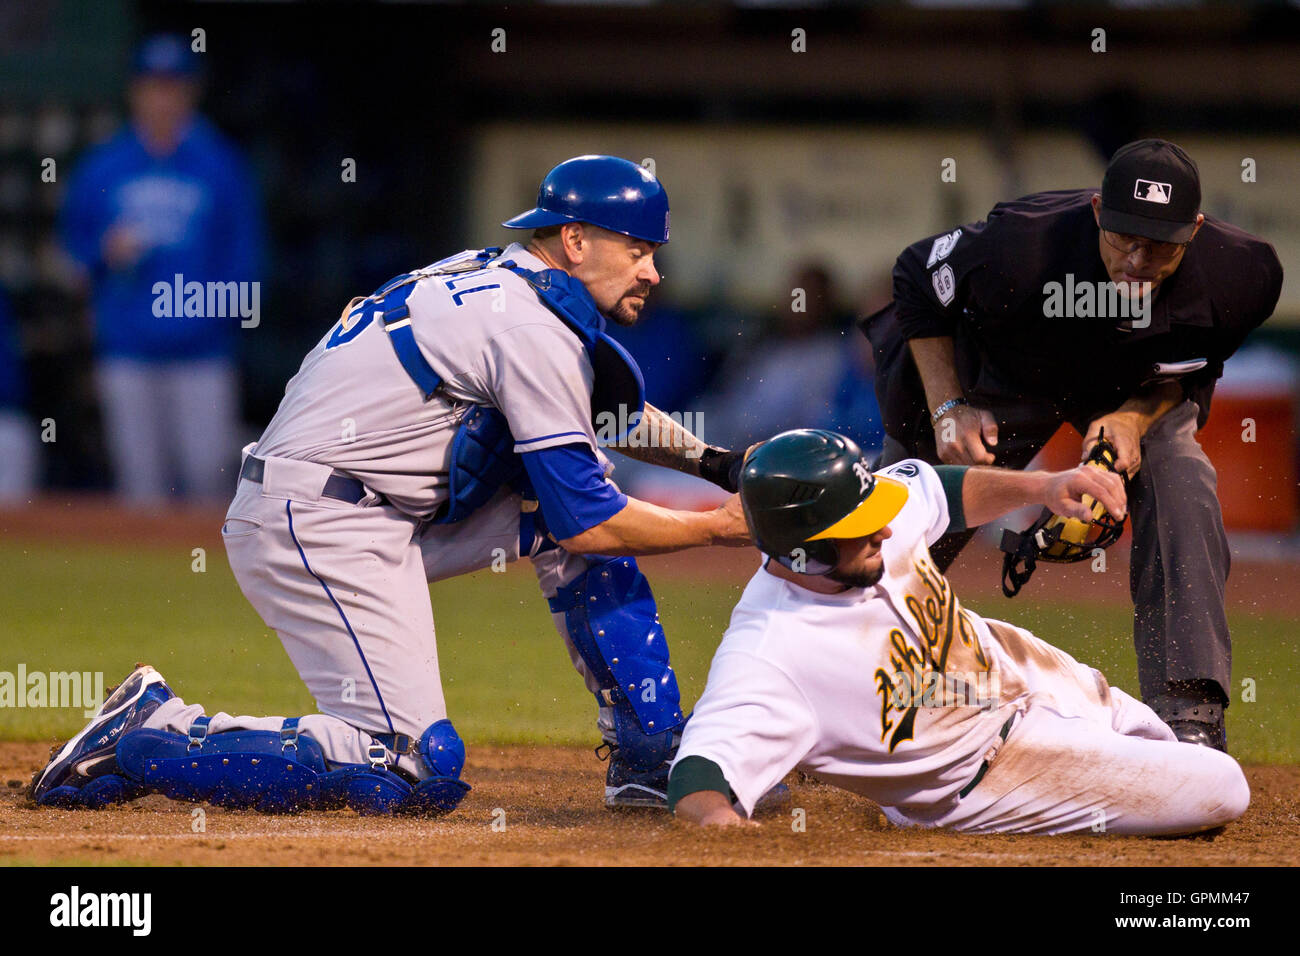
84,772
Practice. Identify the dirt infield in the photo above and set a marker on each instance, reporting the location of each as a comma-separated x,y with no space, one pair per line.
535,806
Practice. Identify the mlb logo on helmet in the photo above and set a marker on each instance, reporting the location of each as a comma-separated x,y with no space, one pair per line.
1149,191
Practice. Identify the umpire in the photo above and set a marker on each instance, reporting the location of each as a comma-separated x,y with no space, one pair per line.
1115,310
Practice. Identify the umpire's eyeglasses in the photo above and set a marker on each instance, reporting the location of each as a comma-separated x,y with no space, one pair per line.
1155,251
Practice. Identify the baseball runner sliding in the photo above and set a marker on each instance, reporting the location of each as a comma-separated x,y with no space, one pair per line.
850,656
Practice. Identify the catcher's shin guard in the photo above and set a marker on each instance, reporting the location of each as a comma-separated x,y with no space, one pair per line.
286,772
239,769
611,618
377,789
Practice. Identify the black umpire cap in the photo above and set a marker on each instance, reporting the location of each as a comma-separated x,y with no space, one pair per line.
1151,189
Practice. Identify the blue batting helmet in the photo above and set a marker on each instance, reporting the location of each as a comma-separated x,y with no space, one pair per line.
605,191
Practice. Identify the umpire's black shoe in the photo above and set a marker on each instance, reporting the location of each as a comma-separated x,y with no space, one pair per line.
1193,720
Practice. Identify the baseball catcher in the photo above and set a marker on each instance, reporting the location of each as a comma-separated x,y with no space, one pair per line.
471,388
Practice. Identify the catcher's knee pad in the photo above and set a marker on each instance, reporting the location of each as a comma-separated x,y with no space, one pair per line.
286,772
610,615
376,789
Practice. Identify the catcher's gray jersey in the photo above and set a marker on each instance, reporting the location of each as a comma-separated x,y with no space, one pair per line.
352,407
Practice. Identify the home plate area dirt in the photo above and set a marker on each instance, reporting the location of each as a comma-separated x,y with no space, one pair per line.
541,806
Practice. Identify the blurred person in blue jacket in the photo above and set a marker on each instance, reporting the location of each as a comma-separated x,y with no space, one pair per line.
17,431
808,372
165,221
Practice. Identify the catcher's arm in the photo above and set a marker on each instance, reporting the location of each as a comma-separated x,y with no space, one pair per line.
988,493
645,528
660,440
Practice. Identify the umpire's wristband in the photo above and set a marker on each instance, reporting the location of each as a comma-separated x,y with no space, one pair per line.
945,408
722,468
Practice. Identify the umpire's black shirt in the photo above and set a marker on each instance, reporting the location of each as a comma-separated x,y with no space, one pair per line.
985,287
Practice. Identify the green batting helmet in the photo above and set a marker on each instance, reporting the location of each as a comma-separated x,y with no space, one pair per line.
803,489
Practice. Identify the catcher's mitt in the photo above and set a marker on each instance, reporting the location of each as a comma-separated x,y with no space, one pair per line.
1061,540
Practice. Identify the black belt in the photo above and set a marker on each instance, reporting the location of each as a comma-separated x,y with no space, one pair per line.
338,485
984,767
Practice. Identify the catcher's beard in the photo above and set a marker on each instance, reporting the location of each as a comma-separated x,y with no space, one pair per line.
624,313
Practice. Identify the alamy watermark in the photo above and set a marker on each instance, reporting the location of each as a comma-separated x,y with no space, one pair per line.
1086,299
634,429
74,908
208,300
53,689
932,688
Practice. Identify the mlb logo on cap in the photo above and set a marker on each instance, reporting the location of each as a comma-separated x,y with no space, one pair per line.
1150,191
1151,207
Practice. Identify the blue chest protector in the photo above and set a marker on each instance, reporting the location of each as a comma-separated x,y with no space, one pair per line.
482,453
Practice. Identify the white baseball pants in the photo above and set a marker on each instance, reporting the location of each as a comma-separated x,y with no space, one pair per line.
1083,756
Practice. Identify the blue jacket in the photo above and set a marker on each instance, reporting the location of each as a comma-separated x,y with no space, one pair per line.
13,391
198,213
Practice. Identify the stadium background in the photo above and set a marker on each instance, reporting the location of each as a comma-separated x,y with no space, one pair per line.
773,159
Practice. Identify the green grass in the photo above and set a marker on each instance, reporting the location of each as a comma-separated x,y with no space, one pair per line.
506,674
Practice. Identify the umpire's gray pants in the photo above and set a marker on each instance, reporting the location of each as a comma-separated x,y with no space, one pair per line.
1180,555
